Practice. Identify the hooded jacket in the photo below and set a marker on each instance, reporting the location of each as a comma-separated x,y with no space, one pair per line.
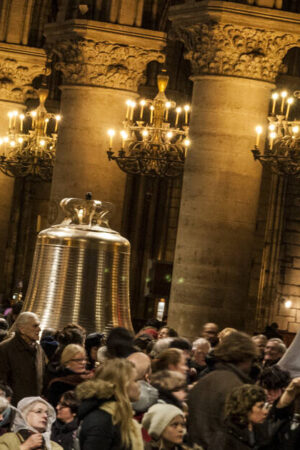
98,427
22,430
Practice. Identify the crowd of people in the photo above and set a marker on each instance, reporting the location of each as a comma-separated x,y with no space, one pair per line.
63,389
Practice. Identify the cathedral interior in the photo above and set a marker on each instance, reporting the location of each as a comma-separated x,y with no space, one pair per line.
219,242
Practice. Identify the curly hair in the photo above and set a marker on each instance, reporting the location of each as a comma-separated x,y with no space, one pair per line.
240,402
274,378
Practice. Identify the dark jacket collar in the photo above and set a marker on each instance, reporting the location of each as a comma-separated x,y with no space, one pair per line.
233,368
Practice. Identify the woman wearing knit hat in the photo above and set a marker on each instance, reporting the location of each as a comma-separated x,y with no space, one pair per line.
166,425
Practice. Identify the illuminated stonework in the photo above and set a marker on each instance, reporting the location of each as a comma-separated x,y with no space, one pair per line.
18,67
224,49
103,64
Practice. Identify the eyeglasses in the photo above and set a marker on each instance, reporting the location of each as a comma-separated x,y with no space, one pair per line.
78,359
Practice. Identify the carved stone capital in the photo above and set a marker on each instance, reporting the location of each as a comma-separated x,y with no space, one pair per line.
226,49
105,64
18,67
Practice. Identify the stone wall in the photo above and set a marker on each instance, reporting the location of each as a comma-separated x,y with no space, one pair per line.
289,283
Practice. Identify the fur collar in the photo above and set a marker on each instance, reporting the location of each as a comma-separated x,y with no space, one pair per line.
95,388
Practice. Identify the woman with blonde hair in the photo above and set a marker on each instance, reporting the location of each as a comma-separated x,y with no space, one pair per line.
105,410
72,372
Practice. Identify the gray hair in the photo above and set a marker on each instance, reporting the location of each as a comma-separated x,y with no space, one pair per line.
24,318
281,345
201,342
160,346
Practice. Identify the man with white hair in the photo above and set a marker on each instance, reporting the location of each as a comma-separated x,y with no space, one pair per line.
22,358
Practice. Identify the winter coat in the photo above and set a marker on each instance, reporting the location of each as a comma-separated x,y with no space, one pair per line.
66,380
148,397
12,441
22,367
97,414
207,399
64,433
233,437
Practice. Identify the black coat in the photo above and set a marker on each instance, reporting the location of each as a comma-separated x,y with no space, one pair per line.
97,429
22,367
233,437
66,380
64,433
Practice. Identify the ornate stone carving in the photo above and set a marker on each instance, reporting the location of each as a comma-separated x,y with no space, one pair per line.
86,62
16,79
224,49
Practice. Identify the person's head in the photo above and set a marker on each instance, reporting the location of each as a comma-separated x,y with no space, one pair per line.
67,407
245,405
225,332
183,344
171,382
165,423
274,380
71,334
142,363
237,348
74,358
171,359
119,343
143,342
261,341
16,309
4,403
160,346
200,348
116,378
37,414
166,332
210,332
28,325
48,332
6,391
92,343
274,350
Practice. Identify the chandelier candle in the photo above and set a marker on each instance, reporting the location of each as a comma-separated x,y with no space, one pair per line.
154,148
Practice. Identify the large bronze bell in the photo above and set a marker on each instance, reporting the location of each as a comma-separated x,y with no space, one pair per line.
80,271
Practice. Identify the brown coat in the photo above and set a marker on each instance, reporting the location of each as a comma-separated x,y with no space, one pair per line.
22,367
207,399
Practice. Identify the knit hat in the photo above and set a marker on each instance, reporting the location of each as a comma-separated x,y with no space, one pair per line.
158,418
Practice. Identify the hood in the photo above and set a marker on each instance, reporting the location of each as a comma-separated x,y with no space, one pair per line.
96,388
148,396
20,421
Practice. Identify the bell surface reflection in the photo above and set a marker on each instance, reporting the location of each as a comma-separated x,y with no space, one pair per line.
80,271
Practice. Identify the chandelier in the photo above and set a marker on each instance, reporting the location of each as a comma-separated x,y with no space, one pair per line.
282,147
150,145
28,149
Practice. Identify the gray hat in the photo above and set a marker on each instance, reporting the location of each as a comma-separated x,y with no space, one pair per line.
158,418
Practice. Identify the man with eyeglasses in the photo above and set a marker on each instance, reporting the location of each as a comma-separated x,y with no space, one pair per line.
22,358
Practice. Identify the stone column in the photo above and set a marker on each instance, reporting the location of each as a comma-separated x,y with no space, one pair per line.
234,69
18,67
102,65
